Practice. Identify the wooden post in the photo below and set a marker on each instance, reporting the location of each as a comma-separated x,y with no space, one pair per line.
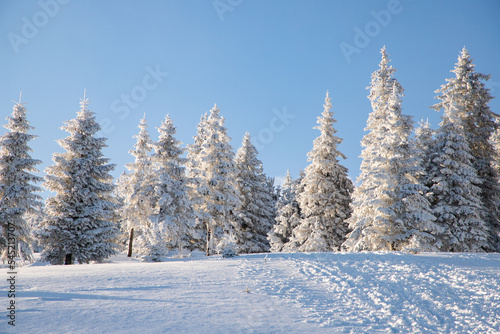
68,259
130,242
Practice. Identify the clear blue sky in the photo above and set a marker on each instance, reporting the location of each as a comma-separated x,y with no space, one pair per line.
255,59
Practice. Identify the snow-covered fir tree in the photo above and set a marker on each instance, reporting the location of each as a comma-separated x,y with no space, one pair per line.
495,142
256,214
325,201
35,221
138,192
424,137
411,207
198,235
468,93
175,211
274,191
79,217
212,168
425,238
287,215
424,145
153,245
388,206
455,193
372,219
18,198
120,190
294,213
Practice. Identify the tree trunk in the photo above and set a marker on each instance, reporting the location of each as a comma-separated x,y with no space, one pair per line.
130,242
208,240
68,259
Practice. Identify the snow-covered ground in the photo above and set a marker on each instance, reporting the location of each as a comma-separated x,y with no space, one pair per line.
273,293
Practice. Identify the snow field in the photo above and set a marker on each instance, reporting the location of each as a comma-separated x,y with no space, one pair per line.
264,293
369,292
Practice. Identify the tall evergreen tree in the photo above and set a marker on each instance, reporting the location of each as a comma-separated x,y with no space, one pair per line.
35,221
426,236
214,173
296,214
287,215
138,191
79,224
495,142
372,220
412,208
388,205
424,145
256,214
455,193
424,137
197,188
175,211
272,205
470,96
325,201
18,198
282,231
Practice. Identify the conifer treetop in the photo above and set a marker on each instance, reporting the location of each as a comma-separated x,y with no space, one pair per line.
142,147
167,143
382,83
18,121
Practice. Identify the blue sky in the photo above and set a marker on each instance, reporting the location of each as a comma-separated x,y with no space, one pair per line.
267,65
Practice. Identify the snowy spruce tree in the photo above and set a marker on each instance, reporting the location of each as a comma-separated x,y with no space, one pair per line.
79,217
455,193
174,211
411,207
424,137
153,246
388,206
214,190
325,201
424,145
470,97
294,212
18,198
274,191
197,186
495,142
139,197
35,221
287,215
256,214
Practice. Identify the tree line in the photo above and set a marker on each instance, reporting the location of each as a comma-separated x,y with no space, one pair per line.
418,189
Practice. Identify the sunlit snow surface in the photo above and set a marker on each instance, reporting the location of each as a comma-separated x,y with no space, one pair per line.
273,293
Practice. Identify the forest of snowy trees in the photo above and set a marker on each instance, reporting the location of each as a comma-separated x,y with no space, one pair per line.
419,189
